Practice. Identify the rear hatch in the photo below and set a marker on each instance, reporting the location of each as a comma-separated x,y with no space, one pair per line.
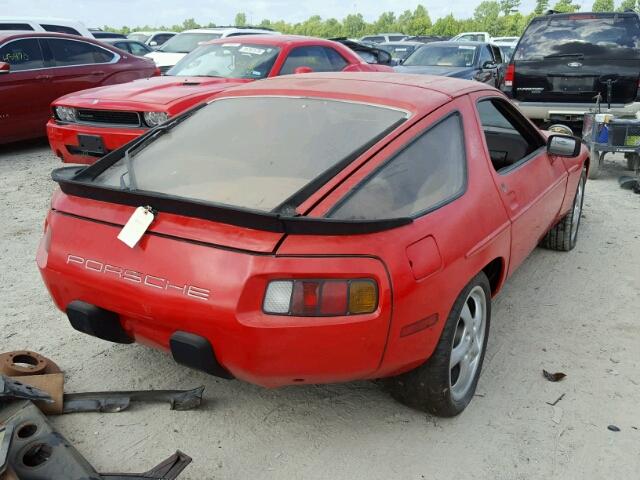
569,57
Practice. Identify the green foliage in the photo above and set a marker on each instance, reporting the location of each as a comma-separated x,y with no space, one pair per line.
566,6
602,6
629,5
498,17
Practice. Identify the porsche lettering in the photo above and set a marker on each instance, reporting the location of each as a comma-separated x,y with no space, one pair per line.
147,280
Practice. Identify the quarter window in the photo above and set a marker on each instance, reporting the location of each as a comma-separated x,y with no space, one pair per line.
60,29
72,52
138,49
509,138
485,55
320,59
22,54
426,174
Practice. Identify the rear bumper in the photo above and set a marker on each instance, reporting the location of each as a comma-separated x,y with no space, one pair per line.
83,261
570,112
63,139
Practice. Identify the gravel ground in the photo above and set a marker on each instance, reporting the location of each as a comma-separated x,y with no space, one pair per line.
576,313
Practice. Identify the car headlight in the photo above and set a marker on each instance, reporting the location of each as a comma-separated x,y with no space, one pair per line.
153,119
66,114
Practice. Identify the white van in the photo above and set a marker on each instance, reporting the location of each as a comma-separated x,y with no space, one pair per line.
55,25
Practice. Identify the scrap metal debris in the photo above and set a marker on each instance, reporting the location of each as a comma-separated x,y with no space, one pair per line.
556,402
14,390
553,377
613,428
39,452
110,402
6,435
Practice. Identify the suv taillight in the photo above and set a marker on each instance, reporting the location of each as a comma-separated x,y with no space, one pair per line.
321,298
509,75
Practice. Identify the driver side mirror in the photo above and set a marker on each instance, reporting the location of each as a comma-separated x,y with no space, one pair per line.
563,146
489,65
303,70
4,67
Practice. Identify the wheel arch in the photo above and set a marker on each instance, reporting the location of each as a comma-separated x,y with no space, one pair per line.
495,271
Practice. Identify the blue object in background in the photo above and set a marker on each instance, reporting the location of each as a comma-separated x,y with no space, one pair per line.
603,134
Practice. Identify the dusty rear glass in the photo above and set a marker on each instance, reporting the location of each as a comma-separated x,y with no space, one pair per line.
252,152
228,60
611,36
442,56
187,42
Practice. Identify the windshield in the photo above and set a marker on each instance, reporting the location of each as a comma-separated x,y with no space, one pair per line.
229,60
187,42
398,51
442,56
140,37
577,35
252,152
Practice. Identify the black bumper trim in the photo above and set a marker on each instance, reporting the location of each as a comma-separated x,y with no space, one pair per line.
97,322
196,352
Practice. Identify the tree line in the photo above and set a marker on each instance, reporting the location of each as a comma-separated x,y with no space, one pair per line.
498,17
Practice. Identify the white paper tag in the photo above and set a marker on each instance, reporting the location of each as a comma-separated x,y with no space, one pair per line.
138,223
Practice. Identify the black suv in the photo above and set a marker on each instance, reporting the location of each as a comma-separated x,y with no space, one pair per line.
564,60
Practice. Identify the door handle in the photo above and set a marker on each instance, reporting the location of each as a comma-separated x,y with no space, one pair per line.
97,72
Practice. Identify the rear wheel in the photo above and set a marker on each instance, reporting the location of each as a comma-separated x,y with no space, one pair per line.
564,235
444,385
595,162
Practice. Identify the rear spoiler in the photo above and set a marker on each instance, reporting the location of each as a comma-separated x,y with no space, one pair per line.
72,182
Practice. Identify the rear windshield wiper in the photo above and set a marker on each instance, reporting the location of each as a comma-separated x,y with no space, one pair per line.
130,152
562,55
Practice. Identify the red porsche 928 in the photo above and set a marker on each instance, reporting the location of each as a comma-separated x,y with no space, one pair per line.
316,228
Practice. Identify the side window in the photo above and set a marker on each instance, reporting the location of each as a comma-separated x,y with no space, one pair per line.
396,38
161,38
137,49
509,138
123,46
15,26
60,29
426,174
22,54
71,52
314,57
337,62
497,55
485,55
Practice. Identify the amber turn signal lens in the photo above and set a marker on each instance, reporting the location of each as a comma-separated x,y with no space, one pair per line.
363,296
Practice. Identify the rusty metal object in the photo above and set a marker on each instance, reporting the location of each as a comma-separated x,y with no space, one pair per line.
38,452
15,390
111,402
25,362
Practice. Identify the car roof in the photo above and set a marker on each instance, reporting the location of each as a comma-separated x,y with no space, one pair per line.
227,29
420,94
401,43
11,35
274,40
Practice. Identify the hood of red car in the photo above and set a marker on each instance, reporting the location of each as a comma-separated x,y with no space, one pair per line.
154,91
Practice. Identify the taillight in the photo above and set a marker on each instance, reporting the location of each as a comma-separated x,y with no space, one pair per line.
157,72
321,298
509,75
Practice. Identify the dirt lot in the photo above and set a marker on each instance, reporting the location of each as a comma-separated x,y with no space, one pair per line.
576,313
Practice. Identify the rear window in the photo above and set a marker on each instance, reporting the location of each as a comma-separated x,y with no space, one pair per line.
252,152
451,55
60,29
614,36
187,42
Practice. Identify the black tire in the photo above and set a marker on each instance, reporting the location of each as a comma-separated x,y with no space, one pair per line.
595,162
564,235
431,386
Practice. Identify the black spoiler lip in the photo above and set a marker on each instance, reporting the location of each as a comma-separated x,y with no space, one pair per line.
66,177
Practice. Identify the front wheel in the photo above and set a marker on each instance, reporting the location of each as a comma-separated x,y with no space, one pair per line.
444,385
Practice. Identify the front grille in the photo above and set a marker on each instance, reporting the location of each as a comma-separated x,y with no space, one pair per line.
109,117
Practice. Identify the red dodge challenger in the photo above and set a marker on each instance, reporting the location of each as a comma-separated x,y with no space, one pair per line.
316,228
91,123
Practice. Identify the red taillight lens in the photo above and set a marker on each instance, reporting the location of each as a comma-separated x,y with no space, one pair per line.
157,72
321,298
509,75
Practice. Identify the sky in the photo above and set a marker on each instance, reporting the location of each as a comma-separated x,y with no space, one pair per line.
116,13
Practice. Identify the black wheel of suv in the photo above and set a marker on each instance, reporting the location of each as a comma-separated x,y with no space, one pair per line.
444,385
564,235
